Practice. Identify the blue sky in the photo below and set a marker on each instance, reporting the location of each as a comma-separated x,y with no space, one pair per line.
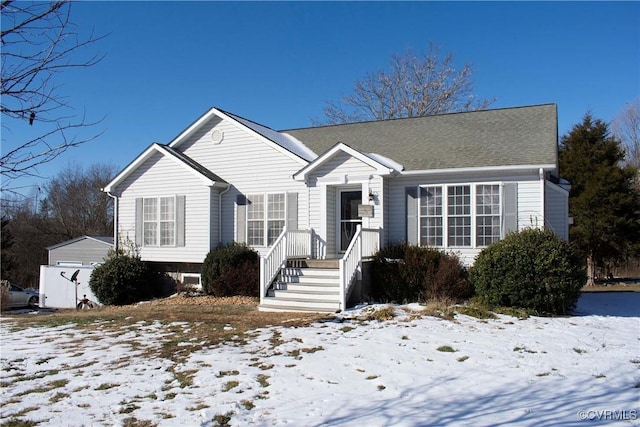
277,63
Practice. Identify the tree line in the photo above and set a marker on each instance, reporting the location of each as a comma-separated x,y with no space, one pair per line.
72,205
39,41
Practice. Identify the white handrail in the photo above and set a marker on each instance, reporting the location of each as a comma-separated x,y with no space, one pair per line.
370,241
272,262
350,265
304,243
290,243
299,243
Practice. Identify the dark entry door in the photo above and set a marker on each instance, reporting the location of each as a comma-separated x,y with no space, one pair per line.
349,220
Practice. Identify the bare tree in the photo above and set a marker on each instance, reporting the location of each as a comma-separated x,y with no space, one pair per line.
626,127
75,204
414,85
39,41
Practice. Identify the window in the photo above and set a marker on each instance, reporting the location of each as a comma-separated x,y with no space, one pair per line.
150,221
431,216
459,215
455,216
159,221
167,221
255,220
275,216
487,214
266,215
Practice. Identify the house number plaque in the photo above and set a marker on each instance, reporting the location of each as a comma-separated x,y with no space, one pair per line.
365,211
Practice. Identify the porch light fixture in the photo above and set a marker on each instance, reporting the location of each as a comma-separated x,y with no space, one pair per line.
372,196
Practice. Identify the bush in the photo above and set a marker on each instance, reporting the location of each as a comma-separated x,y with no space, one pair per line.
533,269
4,295
124,279
408,273
231,270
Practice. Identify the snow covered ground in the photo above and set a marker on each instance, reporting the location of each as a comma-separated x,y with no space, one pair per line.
575,371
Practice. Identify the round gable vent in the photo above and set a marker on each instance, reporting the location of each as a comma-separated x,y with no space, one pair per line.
217,136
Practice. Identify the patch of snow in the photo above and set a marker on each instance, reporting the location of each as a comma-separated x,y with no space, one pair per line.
344,371
282,139
390,163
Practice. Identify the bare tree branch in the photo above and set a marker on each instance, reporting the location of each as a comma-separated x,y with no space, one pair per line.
413,85
626,127
39,41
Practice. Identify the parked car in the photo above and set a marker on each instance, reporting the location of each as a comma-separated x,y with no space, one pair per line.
18,297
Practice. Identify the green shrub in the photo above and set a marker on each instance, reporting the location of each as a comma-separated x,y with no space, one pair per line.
124,279
409,273
231,270
533,269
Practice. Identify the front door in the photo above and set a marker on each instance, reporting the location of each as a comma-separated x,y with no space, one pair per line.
348,219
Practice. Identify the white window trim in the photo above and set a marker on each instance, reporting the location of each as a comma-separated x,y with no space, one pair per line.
158,222
265,219
473,212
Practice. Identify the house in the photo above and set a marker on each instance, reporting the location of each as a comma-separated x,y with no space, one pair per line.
65,280
315,202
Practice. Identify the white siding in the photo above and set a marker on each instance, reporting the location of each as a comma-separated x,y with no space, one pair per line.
86,251
529,203
557,210
341,172
163,176
250,165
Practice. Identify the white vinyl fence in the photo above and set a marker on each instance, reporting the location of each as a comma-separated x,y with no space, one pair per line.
58,291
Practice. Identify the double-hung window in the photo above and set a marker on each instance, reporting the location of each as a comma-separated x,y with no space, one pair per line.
487,214
275,216
431,216
167,221
266,215
159,221
459,215
255,220
150,221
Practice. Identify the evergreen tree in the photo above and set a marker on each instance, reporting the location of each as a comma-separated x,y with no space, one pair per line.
603,202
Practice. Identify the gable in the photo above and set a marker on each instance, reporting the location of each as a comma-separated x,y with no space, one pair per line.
343,159
98,241
156,152
207,127
501,137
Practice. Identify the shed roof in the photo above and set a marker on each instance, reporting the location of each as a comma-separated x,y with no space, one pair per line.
107,240
499,137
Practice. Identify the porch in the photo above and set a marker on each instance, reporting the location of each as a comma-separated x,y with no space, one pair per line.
297,274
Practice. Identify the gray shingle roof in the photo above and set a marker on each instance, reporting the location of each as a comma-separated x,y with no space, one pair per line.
192,164
500,137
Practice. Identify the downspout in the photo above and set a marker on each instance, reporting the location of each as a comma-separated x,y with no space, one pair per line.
115,220
543,195
226,190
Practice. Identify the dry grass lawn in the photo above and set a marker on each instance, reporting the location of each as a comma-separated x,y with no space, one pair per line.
212,320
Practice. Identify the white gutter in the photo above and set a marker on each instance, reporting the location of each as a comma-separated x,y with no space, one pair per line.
479,169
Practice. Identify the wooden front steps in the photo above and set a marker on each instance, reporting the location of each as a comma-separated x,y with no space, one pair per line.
306,285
